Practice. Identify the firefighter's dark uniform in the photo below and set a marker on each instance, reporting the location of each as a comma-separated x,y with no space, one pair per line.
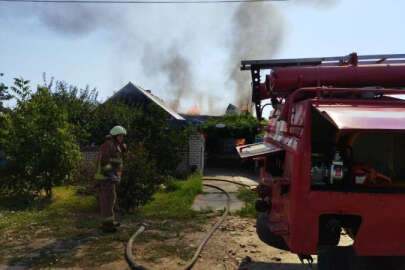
107,178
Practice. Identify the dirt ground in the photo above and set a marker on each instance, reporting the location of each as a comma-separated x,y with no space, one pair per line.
234,245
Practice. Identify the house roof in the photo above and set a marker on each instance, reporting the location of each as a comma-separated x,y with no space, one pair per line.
136,95
196,119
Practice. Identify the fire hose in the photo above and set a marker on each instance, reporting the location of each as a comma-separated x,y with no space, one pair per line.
143,226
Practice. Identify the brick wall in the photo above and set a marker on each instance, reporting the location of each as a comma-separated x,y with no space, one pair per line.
89,153
196,151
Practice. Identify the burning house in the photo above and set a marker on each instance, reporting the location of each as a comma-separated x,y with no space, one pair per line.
136,96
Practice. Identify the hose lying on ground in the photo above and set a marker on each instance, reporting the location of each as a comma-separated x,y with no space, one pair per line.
229,181
130,257
128,252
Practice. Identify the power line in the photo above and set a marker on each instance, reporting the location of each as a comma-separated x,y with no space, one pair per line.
138,1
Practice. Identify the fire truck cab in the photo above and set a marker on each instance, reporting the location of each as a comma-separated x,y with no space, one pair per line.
333,158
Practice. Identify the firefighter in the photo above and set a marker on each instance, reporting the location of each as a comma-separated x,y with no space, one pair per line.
108,176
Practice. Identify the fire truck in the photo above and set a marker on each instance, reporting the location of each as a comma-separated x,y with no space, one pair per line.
333,158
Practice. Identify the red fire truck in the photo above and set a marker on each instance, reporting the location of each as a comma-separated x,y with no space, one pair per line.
333,158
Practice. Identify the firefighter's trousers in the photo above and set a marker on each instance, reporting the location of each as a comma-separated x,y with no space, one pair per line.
107,197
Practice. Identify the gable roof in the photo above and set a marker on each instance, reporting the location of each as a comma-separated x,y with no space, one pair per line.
196,119
137,96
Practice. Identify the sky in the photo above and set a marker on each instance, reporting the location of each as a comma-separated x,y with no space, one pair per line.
187,54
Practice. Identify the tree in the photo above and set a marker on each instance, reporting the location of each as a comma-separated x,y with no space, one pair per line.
110,114
79,104
155,147
41,149
164,139
242,125
4,94
140,178
22,89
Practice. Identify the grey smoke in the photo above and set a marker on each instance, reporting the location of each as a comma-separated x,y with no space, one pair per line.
143,37
174,66
258,30
74,19
178,72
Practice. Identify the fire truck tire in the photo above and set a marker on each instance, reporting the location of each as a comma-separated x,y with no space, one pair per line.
264,233
377,263
337,258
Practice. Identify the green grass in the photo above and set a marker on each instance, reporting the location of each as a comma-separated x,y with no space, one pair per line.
249,197
69,217
176,203
64,215
65,218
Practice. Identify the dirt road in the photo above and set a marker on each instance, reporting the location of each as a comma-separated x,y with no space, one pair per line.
234,245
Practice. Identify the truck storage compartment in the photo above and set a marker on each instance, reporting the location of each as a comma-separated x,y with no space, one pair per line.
359,160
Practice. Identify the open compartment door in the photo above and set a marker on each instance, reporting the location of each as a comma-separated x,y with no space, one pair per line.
257,150
364,117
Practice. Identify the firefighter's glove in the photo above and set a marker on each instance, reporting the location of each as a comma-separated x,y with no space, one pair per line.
124,148
113,178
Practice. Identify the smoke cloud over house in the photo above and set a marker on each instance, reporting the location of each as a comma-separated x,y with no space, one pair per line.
191,54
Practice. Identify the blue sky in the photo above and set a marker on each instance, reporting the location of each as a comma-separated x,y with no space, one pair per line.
107,46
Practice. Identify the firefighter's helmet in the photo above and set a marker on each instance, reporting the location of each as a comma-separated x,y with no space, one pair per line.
118,130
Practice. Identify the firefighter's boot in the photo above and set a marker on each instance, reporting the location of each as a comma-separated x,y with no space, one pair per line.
108,227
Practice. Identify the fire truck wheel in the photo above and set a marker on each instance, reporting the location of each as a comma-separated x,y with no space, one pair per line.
377,263
264,233
337,258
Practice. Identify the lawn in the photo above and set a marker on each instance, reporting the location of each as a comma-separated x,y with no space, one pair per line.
249,197
64,232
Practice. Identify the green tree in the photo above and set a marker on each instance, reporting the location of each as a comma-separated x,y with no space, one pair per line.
22,89
155,147
110,114
164,139
79,104
140,178
243,125
41,150
4,94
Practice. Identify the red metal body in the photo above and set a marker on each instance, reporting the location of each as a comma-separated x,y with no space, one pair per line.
365,117
295,214
296,207
282,81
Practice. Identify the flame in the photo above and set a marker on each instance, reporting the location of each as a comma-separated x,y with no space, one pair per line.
240,142
194,111
244,108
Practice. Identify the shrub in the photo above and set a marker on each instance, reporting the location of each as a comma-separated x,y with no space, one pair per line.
177,202
140,179
110,114
84,174
249,197
79,105
41,150
242,125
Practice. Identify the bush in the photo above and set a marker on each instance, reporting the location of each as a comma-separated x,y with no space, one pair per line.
140,179
110,114
249,197
242,125
176,203
80,105
155,148
164,139
41,150
84,174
